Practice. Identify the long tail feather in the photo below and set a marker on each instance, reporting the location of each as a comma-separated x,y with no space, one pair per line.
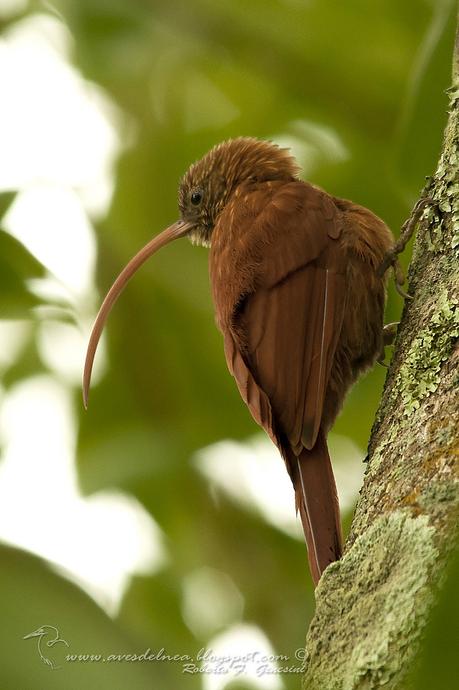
317,503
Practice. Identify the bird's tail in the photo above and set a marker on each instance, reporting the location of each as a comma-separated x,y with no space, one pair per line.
317,502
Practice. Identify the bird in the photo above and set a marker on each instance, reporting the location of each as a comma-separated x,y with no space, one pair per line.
299,300
41,633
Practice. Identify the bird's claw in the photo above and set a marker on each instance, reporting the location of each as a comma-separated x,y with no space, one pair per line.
391,260
401,291
389,333
399,278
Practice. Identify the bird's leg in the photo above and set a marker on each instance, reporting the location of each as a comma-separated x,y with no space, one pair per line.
389,333
391,257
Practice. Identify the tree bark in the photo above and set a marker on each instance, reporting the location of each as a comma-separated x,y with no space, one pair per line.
372,605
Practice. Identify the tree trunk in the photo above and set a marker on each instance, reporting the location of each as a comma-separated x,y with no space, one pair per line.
372,606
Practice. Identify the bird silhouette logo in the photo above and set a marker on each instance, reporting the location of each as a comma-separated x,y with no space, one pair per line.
47,636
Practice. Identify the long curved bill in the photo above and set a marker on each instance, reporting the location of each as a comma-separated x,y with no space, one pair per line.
173,232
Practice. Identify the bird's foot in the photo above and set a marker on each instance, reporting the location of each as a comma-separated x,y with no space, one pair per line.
391,257
389,333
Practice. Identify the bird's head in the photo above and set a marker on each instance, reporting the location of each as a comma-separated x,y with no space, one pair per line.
36,633
204,191
209,183
40,632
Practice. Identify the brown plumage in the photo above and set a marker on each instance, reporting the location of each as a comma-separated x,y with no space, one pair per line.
298,300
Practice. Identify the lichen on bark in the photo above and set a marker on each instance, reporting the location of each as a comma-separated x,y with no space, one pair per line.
380,589
419,374
372,606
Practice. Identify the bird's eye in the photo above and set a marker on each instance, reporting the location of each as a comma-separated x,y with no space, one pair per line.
196,198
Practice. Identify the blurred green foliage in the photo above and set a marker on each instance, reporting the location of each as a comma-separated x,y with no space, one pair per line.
437,664
31,596
370,79
17,266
